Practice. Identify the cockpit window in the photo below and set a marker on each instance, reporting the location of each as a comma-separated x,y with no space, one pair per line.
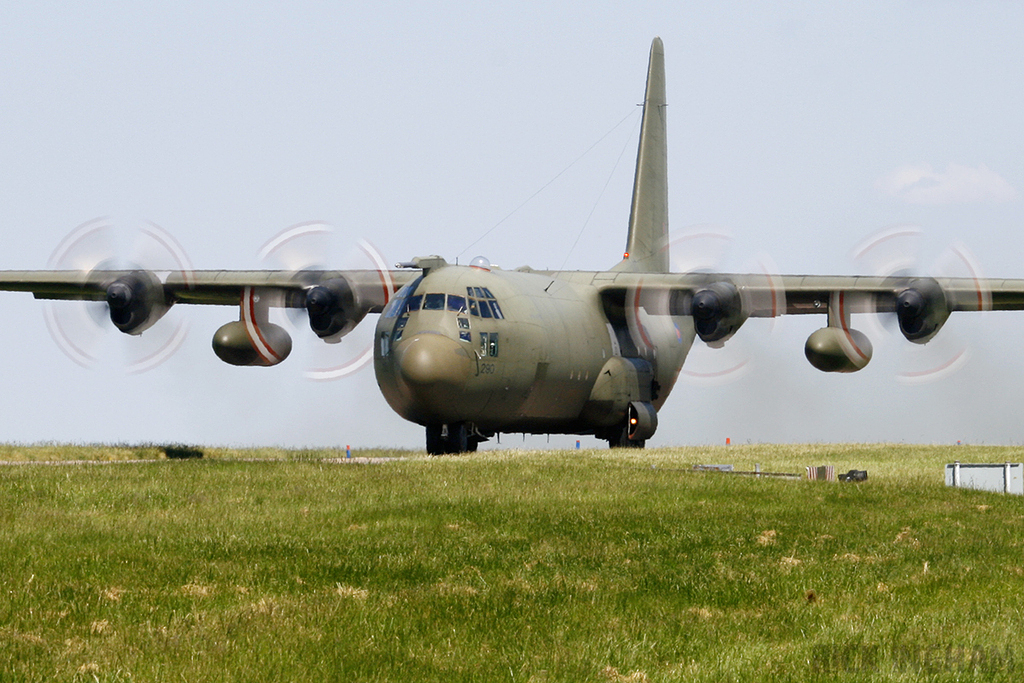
433,302
489,344
391,310
397,305
480,303
456,303
399,327
483,304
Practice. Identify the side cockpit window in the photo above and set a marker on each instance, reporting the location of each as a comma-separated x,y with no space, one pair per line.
489,344
396,333
483,304
399,303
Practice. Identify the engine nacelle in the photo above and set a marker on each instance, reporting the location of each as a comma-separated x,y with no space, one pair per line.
234,344
334,309
641,421
136,301
620,382
833,349
922,310
717,312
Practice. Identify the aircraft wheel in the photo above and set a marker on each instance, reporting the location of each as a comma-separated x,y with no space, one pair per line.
622,440
445,439
435,443
458,438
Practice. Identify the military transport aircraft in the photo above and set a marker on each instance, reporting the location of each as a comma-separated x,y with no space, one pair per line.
472,351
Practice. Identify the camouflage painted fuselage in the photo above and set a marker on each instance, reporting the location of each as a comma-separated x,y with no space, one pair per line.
515,351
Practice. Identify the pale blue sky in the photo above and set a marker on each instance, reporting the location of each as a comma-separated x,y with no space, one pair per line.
799,128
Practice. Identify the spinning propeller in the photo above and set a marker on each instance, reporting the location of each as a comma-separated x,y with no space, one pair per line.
328,307
922,309
122,272
719,308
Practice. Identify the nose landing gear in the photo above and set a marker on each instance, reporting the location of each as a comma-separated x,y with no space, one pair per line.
449,439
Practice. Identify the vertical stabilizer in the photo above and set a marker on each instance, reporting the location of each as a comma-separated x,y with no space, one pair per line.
647,243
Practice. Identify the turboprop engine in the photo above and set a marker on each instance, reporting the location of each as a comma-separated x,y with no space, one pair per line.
921,310
717,312
136,301
333,308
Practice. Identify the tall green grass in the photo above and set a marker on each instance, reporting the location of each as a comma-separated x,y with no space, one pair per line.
544,566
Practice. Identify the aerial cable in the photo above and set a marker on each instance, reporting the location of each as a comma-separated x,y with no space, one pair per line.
545,185
600,194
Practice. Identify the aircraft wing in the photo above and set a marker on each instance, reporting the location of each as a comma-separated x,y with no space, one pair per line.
371,288
336,301
758,295
719,303
809,294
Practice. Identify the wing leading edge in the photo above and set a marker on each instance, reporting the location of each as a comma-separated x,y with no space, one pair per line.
719,304
208,287
807,294
779,294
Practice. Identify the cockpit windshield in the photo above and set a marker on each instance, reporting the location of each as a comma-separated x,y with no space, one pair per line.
456,303
433,302
480,303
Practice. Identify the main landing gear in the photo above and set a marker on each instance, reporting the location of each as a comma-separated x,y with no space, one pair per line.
448,439
620,439
640,423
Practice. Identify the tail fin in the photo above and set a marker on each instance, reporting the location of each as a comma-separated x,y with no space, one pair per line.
647,243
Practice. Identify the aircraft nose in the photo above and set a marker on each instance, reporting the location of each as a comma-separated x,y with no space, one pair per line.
429,359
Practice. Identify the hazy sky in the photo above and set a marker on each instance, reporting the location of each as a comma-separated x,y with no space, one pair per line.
797,128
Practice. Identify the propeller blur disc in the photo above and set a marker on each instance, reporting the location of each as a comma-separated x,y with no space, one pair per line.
707,249
896,250
317,246
82,329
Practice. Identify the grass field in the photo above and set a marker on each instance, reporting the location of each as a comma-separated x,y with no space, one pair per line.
515,566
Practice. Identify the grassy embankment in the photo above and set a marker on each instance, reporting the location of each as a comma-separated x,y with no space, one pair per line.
550,566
